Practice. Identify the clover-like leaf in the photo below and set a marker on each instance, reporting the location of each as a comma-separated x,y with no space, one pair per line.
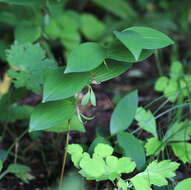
161,84
103,150
125,165
76,152
94,168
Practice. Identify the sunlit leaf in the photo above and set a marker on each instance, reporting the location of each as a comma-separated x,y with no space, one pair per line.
103,150
155,174
182,150
146,120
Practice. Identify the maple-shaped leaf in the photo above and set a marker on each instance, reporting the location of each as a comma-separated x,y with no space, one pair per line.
155,174
182,150
146,120
28,62
153,146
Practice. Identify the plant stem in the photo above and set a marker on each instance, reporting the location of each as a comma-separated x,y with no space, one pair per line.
65,155
15,142
159,67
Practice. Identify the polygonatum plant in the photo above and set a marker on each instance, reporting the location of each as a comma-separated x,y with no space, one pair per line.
89,63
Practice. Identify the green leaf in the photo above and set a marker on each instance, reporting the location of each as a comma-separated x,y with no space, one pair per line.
151,39
23,2
103,150
161,84
119,8
20,171
24,34
91,27
76,152
122,165
94,168
153,146
64,26
75,125
176,70
124,113
140,183
85,98
73,148
50,114
85,57
73,181
29,69
119,52
184,184
96,141
179,131
59,86
3,47
146,120
12,96
182,150
92,98
132,148
1,165
17,168
122,184
15,112
10,110
113,69
155,174
131,40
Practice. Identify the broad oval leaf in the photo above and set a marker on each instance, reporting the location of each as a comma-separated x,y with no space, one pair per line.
184,184
124,113
151,38
75,125
119,52
50,114
59,86
85,57
132,148
132,40
112,70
